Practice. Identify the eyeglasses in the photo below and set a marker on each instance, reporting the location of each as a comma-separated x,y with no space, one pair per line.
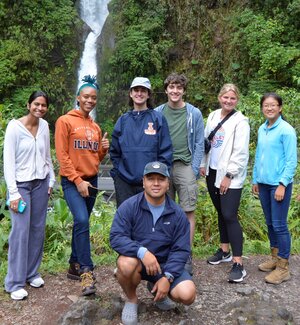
270,105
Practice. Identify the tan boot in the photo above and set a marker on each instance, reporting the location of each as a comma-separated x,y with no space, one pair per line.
281,273
270,264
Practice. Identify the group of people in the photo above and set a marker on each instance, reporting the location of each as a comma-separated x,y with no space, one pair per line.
157,156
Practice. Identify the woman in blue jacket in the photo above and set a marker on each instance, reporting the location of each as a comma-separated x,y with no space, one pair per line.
139,136
274,168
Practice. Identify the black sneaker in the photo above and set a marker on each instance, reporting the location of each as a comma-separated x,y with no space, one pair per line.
74,272
237,273
219,257
87,282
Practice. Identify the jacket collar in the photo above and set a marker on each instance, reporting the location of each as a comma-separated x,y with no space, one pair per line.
169,209
144,111
274,125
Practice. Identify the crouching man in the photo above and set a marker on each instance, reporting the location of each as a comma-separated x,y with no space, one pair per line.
152,235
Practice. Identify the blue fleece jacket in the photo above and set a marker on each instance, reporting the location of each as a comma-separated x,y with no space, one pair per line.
195,129
168,240
138,138
276,154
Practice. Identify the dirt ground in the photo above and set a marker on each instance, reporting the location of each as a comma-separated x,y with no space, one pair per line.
216,303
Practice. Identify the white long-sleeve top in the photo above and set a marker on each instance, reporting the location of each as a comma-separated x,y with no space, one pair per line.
26,157
234,152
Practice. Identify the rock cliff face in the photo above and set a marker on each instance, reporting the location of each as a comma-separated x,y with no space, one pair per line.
157,37
253,44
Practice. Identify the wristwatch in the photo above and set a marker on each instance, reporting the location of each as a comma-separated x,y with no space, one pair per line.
229,175
169,277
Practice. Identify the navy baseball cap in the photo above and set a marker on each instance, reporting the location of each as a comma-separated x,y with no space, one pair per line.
156,167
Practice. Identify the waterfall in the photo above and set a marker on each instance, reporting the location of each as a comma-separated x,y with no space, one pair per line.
94,14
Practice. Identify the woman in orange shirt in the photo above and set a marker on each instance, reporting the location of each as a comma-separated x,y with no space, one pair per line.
80,149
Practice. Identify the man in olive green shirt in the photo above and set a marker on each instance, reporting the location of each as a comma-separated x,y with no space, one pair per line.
187,134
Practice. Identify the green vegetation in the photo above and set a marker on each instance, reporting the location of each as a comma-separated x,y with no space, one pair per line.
38,50
57,247
59,229
254,44
252,220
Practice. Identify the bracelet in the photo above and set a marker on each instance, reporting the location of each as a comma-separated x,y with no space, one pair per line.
280,183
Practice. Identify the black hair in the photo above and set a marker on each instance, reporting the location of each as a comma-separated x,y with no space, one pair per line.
276,97
36,94
149,102
272,95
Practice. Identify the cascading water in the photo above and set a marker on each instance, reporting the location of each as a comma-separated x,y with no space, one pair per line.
94,14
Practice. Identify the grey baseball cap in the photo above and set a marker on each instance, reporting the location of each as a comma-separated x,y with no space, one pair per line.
156,167
142,82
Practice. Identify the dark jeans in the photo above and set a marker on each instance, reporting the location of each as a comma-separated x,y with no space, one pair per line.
276,213
227,206
125,190
81,209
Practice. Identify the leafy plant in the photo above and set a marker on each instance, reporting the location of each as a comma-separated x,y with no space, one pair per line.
100,223
45,60
58,234
251,218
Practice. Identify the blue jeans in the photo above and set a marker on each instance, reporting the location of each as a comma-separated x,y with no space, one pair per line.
81,209
276,213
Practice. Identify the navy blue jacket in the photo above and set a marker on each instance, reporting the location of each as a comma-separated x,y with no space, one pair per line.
168,240
137,139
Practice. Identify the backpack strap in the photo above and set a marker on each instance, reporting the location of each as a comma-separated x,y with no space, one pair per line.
214,131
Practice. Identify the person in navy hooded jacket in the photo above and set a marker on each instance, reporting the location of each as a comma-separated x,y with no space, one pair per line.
152,236
139,136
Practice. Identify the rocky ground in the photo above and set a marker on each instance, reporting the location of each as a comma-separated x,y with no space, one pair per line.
218,302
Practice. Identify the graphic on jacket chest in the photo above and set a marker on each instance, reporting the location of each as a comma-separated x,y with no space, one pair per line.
150,130
84,139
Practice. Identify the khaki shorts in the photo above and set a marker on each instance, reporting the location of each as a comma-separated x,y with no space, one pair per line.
183,182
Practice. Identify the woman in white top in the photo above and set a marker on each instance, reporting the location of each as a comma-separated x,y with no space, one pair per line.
29,176
225,168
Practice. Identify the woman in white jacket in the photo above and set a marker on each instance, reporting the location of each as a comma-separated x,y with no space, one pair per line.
29,176
225,168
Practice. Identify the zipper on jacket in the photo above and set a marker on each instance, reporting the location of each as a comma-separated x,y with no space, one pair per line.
190,122
35,157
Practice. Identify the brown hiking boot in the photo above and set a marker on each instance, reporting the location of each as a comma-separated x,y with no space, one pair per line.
281,273
87,282
270,264
74,272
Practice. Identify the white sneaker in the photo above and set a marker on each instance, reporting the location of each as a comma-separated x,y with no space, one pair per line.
19,294
38,282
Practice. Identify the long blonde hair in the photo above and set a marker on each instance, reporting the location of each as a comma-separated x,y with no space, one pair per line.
229,87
